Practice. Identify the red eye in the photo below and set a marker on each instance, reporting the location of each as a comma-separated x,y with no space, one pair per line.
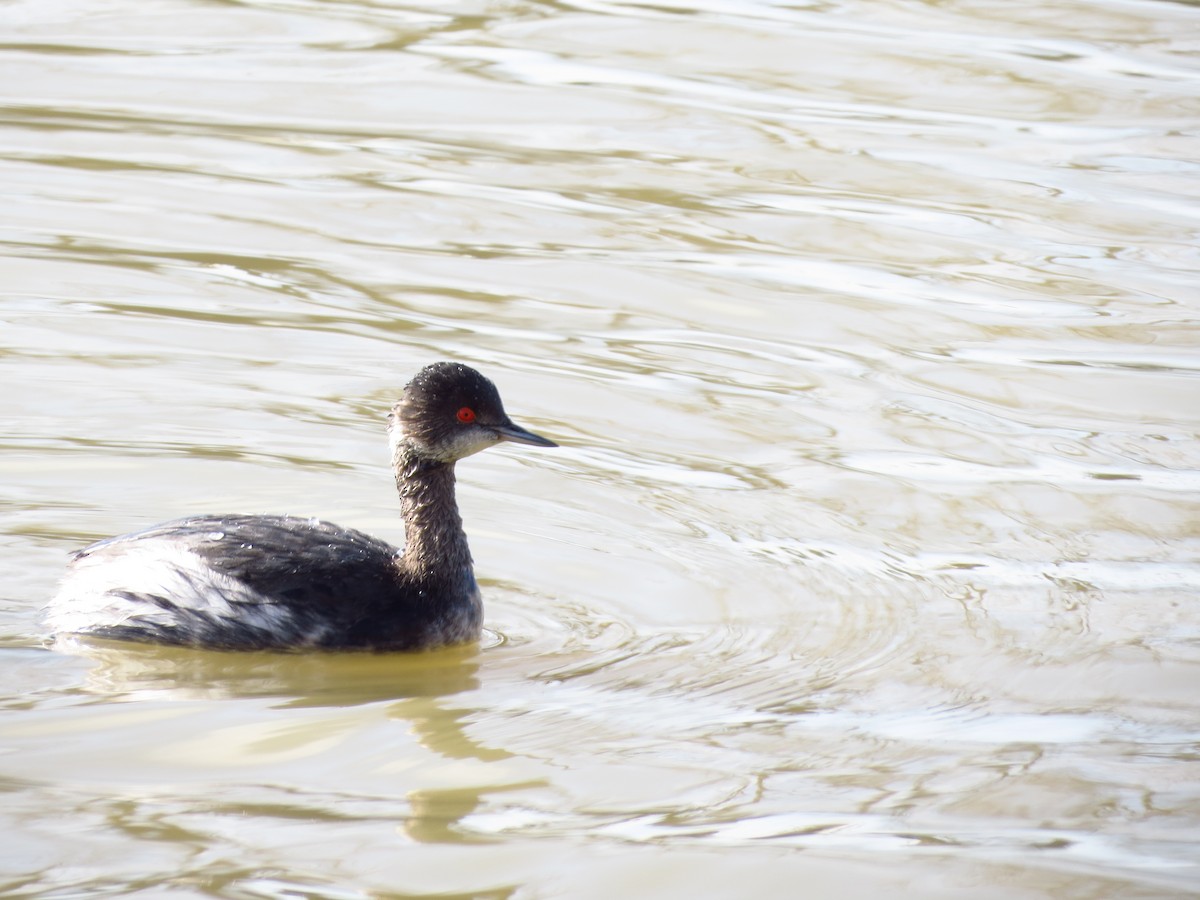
466,415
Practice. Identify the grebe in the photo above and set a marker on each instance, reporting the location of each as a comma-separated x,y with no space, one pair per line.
276,582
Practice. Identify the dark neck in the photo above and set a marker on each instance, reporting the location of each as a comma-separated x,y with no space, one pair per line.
435,542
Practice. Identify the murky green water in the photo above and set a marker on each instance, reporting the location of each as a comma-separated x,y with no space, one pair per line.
868,566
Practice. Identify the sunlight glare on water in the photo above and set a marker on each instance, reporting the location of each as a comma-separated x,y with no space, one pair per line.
868,562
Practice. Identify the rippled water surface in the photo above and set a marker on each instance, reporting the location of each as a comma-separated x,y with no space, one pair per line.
868,565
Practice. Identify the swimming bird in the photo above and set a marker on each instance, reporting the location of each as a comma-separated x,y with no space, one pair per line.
283,582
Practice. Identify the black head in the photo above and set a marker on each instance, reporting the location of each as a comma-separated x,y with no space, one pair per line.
449,411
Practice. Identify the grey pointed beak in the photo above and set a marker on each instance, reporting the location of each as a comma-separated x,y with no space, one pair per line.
510,431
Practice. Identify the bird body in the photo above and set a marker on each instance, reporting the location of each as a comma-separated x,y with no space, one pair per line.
284,582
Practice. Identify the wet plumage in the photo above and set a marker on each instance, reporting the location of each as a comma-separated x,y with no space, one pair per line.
254,582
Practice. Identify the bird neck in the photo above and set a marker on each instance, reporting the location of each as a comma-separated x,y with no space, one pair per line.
434,538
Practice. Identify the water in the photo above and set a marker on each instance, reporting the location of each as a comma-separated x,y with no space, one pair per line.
869,562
